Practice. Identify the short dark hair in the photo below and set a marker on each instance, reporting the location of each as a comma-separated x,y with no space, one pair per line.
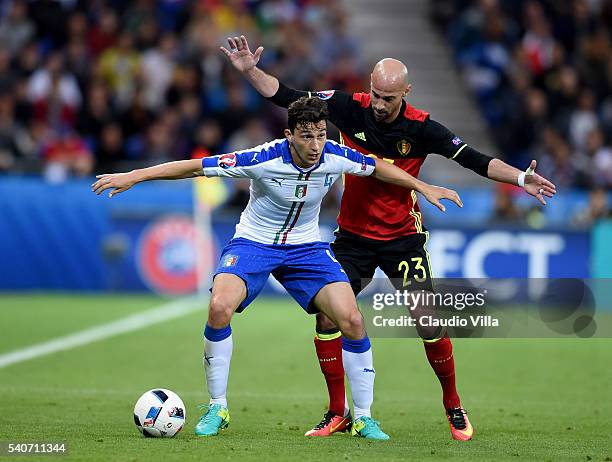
305,111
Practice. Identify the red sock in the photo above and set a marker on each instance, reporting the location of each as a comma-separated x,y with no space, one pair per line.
440,356
329,353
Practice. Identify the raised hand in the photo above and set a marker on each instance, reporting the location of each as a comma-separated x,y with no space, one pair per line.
118,182
240,55
538,186
436,193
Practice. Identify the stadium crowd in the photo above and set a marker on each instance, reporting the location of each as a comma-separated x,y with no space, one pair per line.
105,85
541,71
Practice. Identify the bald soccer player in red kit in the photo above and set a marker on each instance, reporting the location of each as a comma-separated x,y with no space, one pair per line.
381,225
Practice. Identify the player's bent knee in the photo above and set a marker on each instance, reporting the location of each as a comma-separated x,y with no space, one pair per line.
220,311
352,326
430,332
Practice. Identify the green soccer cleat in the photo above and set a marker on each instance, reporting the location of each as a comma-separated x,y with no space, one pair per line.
216,418
368,428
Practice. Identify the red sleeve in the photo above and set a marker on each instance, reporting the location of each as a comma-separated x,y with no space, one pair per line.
413,113
362,98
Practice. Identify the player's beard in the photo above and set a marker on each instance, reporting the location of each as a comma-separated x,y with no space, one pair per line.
380,116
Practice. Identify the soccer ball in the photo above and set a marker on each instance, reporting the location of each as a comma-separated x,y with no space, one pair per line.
159,413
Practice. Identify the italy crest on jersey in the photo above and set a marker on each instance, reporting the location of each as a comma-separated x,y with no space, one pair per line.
300,190
229,260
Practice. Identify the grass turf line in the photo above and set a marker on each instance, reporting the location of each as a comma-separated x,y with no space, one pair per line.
528,399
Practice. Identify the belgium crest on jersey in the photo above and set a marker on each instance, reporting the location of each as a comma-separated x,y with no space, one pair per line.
300,190
403,146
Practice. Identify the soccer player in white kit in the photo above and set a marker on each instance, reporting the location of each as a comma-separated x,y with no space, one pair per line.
278,234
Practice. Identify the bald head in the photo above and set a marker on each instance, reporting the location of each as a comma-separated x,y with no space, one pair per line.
388,86
390,75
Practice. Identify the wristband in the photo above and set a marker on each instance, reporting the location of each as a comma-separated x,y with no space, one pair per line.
522,175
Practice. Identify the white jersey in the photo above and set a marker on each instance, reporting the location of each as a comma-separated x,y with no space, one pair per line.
285,199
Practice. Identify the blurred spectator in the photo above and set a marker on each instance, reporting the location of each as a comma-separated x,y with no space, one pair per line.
536,66
103,34
119,67
159,144
137,117
111,84
333,37
50,20
189,113
505,209
23,110
564,93
252,133
558,164
7,76
596,209
66,154
583,120
186,80
16,29
54,93
109,151
601,159
231,17
78,62
96,111
157,70
15,141
28,61
236,110
208,139
297,69
77,27
538,42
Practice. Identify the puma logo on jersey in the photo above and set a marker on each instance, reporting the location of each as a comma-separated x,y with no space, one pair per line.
360,136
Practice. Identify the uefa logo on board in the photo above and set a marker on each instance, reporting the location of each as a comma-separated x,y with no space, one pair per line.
167,255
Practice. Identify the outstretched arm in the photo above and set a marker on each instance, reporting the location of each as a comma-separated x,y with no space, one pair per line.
245,62
441,140
391,174
120,182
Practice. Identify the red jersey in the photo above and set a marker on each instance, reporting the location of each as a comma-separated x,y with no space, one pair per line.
371,208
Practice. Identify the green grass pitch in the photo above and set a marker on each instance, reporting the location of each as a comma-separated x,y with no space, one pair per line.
527,399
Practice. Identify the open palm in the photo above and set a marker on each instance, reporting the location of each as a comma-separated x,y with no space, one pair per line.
240,55
538,186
